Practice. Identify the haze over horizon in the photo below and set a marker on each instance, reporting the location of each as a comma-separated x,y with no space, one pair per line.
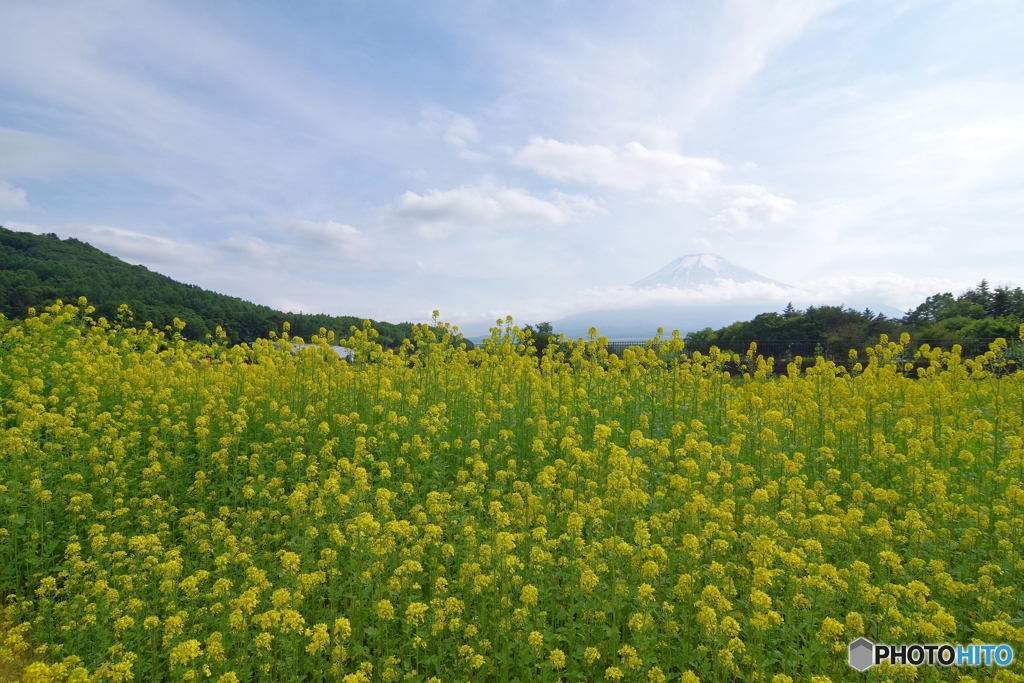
388,159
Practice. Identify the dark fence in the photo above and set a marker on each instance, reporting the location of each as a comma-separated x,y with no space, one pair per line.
787,350
617,347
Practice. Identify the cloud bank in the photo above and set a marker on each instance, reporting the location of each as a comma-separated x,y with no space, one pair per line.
753,209
629,167
12,198
888,289
441,213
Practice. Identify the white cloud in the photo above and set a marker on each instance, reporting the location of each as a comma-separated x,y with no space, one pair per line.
329,235
306,246
633,167
626,297
439,213
130,246
12,198
251,249
137,247
754,209
629,167
576,205
889,289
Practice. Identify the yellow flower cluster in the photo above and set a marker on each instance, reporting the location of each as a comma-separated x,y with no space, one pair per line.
188,511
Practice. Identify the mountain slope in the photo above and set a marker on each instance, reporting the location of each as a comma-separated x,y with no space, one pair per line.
37,269
689,272
693,270
643,322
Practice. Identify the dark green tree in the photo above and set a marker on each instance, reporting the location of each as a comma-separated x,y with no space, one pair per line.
543,335
36,270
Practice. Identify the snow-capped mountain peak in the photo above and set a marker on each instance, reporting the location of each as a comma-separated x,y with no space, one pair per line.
694,270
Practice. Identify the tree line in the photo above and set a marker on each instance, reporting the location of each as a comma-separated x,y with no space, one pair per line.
978,313
36,270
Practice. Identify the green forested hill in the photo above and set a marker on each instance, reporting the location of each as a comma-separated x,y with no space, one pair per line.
35,270
979,313
817,323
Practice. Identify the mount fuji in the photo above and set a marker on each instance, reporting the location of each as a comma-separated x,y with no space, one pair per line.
694,270
688,294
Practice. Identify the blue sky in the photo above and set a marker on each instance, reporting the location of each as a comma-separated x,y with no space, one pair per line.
386,159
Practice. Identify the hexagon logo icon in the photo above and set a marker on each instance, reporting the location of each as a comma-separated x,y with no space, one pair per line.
862,654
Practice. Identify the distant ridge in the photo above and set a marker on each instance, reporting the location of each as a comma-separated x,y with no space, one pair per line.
693,270
686,272
35,270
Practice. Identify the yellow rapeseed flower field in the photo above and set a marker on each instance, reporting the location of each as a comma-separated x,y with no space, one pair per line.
181,511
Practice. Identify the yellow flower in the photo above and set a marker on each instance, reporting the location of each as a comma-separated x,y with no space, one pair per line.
760,599
656,675
342,627
318,638
591,655
185,651
280,597
613,673
214,647
557,658
830,629
290,561
529,595
263,640
291,620
415,612
123,623
588,580
629,657
236,620
385,610
729,627
641,621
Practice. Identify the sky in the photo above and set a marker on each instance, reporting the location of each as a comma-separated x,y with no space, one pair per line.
387,159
